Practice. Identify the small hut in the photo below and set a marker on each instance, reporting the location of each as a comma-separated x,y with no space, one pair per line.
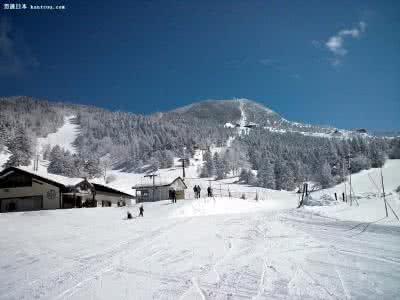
160,191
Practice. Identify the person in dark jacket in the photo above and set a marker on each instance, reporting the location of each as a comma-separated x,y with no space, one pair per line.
173,196
195,190
209,191
141,210
198,191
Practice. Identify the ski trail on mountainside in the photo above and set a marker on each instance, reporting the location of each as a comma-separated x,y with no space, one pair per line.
64,137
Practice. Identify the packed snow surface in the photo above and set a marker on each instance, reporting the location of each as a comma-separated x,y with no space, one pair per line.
208,248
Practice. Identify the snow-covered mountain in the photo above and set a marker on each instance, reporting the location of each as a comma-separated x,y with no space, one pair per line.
244,134
250,114
246,114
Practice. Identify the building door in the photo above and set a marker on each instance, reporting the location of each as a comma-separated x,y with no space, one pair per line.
21,204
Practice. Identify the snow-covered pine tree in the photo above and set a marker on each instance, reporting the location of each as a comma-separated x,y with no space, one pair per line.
46,152
376,155
394,152
221,166
208,169
243,176
266,175
219,169
247,176
168,159
3,136
325,177
251,178
360,162
236,157
21,149
92,167
56,158
284,178
68,165
105,166
154,165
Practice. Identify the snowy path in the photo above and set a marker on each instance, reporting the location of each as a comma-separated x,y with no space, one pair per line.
243,119
264,254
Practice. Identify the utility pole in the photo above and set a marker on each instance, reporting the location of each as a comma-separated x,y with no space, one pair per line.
152,176
36,162
183,168
349,168
384,196
183,159
345,180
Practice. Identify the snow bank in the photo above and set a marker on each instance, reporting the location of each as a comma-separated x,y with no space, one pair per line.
323,200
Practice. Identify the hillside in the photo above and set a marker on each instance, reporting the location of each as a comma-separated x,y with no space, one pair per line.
249,137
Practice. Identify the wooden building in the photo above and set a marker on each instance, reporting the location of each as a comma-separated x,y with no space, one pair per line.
160,191
22,190
110,196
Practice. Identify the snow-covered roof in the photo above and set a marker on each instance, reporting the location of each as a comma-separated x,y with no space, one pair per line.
109,187
157,184
229,125
63,180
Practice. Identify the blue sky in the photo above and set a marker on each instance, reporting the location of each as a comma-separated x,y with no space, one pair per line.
318,62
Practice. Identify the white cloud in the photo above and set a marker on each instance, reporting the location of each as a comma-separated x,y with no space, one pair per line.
335,43
363,26
267,62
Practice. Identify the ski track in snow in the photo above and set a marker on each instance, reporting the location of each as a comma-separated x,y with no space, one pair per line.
258,255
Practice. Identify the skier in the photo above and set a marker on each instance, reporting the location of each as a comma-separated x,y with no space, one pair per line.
141,210
195,190
198,191
209,191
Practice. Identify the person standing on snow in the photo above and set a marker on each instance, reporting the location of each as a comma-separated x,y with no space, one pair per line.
198,191
195,190
173,196
209,192
141,210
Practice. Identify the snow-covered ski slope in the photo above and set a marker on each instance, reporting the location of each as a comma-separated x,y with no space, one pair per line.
367,191
64,136
209,248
